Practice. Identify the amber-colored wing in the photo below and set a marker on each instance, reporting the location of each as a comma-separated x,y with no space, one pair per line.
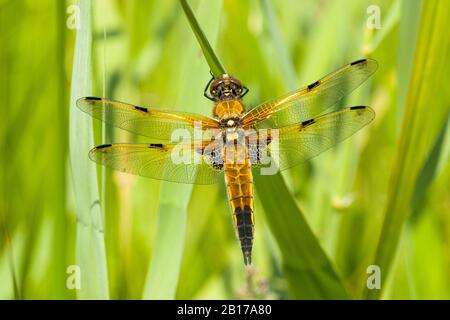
294,144
182,163
149,122
306,103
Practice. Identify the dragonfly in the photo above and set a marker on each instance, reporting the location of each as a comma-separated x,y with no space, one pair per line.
294,127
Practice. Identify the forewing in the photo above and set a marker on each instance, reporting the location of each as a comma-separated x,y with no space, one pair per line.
149,122
306,103
182,163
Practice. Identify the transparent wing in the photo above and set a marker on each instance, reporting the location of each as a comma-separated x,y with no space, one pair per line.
312,100
153,123
291,145
182,163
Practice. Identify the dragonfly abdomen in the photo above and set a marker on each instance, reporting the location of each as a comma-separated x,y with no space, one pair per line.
239,183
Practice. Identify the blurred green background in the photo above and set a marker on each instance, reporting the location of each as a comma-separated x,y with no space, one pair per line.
380,198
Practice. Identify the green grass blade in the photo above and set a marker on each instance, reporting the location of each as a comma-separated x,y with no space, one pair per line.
307,268
90,254
427,174
214,64
165,265
421,124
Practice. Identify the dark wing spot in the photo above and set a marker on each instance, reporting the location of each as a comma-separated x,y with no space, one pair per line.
217,166
358,62
357,107
103,146
313,85
141,109
155,145
93,98
307,122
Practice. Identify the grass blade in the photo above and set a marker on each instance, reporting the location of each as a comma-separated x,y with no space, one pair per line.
419,127
90,256
427,174
214,64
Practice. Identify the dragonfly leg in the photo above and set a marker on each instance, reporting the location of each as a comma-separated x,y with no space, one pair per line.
246,90
205,92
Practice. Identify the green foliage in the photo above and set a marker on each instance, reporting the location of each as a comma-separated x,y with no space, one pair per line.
90,246
381,197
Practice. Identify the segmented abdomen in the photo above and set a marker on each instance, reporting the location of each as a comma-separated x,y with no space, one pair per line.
239,182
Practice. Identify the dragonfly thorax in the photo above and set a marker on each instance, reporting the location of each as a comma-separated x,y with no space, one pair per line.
229,110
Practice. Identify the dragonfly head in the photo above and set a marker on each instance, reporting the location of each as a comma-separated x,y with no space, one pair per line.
227,88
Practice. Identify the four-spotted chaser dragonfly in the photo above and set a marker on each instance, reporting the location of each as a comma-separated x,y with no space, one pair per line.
302,132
